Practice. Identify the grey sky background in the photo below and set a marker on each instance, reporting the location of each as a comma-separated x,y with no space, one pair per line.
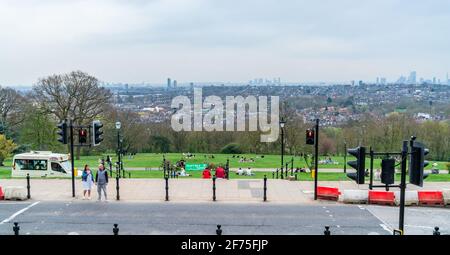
217,40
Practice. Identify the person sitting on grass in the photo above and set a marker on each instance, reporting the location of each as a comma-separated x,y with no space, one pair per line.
220,172
206,174
240,171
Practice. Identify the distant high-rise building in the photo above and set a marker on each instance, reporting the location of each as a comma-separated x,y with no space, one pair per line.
378,81
412,77
383,81
169,83
401,80
434,80
192,85
174,84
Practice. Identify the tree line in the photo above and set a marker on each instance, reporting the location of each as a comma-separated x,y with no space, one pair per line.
28,122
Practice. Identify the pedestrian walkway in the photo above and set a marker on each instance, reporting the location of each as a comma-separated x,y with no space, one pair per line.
195,190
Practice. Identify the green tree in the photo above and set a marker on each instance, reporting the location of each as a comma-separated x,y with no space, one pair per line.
6,147
38,131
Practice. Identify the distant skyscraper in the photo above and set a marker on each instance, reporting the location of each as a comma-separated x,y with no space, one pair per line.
412,77
192,85
174,84
378,81
169,83
434,80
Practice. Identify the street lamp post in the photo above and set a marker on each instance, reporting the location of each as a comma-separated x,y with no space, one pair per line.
119,147
282,124
345,157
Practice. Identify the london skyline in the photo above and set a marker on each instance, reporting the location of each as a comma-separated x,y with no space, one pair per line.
196,40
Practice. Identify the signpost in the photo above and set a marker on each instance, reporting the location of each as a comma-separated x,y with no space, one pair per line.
195,167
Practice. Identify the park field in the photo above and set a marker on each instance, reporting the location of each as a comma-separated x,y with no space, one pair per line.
154,160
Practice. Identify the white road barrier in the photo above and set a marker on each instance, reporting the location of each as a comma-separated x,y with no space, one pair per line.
411,197
446,194
15,193
355,196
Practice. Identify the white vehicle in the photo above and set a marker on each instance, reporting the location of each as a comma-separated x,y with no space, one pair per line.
41,164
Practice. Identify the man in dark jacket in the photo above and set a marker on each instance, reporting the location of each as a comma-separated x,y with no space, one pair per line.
101,179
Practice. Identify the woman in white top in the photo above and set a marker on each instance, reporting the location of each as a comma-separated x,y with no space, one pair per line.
87,178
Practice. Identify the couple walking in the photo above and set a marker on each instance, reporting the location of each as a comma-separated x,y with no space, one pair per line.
101,180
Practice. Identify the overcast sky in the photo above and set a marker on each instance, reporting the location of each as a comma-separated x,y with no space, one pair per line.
222,40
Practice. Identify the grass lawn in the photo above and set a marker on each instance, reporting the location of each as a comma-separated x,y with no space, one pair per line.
154,160
6,174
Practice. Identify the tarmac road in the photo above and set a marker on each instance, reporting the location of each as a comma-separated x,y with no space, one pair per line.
89,217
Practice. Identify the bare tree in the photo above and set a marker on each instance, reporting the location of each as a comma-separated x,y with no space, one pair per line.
76,96
11,106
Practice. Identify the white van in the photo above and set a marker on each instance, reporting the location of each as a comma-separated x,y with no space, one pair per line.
41,164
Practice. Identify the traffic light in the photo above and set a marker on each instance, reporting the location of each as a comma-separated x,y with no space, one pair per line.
387,171
62,132
97,133
417,163
82,136
310,136
359,164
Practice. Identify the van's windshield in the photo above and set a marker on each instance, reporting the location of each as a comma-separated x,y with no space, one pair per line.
66,165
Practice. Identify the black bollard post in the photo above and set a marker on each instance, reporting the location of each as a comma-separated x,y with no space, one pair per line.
327,231
214,187
436,231
273,175
116,229
277,173
16,228
296,178
219,231
167,188
265,188
28,186
117,188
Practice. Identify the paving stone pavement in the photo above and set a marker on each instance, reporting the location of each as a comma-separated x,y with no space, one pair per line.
195,190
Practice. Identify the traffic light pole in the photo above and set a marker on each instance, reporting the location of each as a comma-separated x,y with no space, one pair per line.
371,169
316,163
401,223
282,151
72,161
345,157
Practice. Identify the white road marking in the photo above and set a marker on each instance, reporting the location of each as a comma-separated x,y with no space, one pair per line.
386,228
18,213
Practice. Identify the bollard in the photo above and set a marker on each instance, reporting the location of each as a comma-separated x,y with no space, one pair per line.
116,229
277,173
273,175
436,231
265,188
296,178
28,186
219,231
214,187
16,228
129,175
327,231
167,188
117,188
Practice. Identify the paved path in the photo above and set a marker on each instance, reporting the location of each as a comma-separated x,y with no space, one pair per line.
196,190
